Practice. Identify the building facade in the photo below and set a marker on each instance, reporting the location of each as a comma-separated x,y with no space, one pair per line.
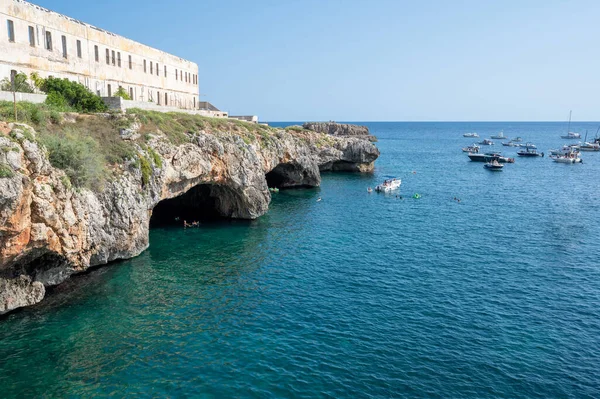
34,39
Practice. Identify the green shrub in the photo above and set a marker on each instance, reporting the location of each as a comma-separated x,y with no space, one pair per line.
6,171
122,93
21,84
56,100
56,117
75,95
78,156
146,169
155,157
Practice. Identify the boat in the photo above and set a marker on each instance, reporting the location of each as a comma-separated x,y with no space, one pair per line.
472,148
566,149
486,142
587,146
528,145
470,135
517,140
490,156
500,136
388,185
571,135
529,152
510,144
572,157
494,165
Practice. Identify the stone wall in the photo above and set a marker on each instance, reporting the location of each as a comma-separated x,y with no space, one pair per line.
117,103
28,97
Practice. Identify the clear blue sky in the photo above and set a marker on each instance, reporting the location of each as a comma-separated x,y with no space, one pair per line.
295,60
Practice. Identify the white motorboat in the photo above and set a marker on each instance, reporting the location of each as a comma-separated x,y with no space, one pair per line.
470,135
486,142
517,140
472,148
499,136
571,156
388,185
528,145
565,149
494,165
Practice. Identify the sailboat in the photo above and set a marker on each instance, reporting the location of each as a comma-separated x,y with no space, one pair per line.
570,135
594,146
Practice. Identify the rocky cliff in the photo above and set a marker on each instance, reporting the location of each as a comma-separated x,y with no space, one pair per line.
340,129
50,230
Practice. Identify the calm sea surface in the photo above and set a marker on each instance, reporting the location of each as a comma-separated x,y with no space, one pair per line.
357,296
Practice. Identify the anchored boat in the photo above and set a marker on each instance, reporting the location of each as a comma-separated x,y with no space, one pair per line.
500,136
388,186
490,156
470,135
493,165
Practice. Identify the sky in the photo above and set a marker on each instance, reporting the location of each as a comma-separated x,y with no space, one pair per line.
378,60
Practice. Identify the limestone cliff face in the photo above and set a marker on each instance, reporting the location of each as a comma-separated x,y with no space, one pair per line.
340,129
49,231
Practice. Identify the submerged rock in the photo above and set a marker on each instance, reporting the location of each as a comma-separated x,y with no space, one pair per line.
49,231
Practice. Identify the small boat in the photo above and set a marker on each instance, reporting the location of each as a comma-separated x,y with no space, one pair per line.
529,152
486,142
388,185
500,136
587,146
472,148
572,157
517,140
490,156
566,149
470,135
494,165
528,145
510,144
571,136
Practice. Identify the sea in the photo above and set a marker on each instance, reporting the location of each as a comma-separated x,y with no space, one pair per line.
486,285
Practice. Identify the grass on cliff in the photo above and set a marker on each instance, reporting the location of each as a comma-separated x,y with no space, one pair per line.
89,148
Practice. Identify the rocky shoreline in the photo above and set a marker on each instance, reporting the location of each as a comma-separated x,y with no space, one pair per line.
50,231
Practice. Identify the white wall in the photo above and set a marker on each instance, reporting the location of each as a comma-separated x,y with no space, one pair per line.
96,75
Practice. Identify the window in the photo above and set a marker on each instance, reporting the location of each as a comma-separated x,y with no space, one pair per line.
176,76
11,30
109,91
157,69
119,59
31,36
144,65
113,57
165,71
181,75
166,99
130,63
151,70
64,46
79,48
107,57
158,97
48,41
96,54
131,93
194,102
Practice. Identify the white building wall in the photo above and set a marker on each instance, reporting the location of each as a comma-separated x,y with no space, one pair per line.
97,75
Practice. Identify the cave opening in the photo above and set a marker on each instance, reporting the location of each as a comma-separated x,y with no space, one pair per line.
199,204
286,175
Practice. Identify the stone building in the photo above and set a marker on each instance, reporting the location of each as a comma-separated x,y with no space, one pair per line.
34,39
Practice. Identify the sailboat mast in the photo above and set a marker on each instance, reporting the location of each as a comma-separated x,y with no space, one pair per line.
569,127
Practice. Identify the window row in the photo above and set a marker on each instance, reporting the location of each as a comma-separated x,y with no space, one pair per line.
112,57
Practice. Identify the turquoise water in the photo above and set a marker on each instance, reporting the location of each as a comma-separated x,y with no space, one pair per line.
359,295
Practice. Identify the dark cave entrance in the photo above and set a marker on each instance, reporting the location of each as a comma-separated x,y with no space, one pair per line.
199,204
286,175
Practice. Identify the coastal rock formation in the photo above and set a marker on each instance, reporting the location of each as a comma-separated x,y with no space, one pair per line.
339,129
49,230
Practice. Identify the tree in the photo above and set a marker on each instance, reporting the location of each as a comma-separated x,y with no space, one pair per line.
122,93
21,84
